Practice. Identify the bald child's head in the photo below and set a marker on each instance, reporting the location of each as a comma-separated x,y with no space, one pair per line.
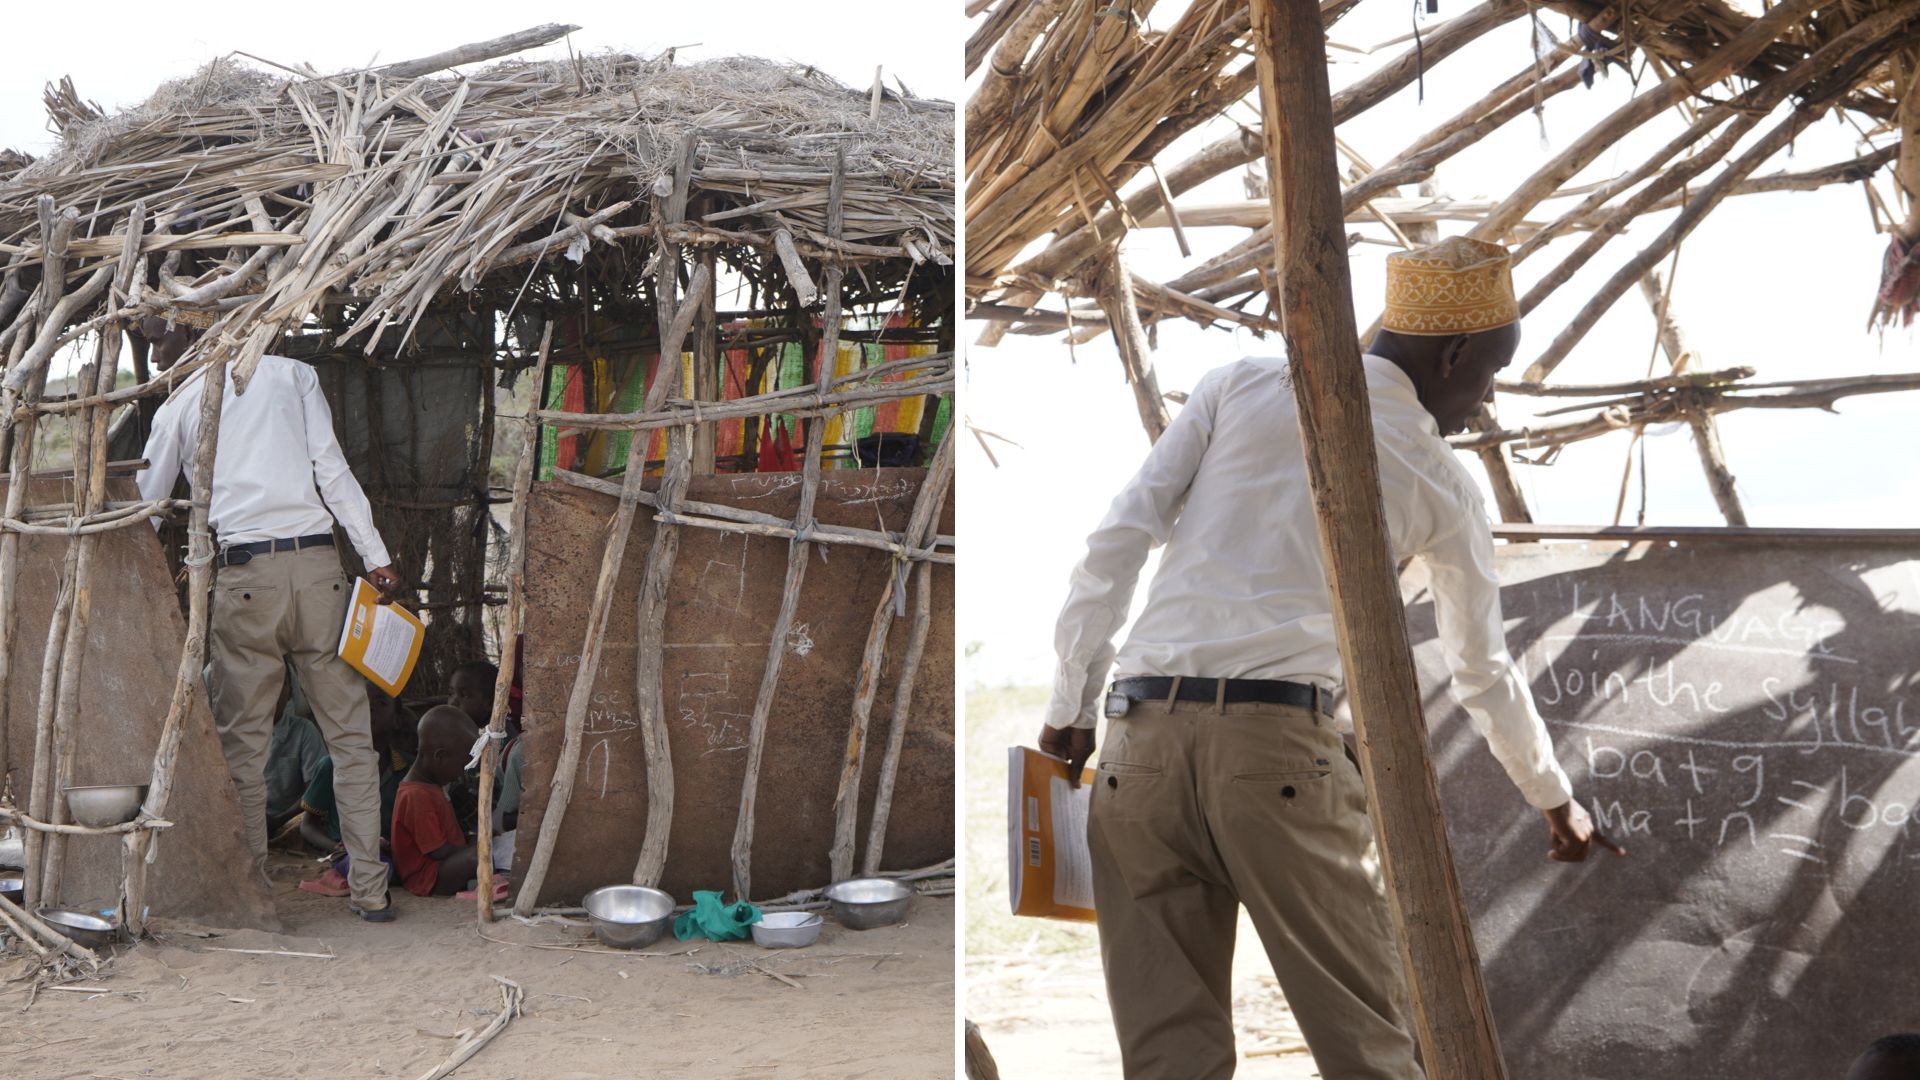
446,738
1895,1057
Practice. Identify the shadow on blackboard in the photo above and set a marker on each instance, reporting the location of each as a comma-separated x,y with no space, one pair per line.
1740,719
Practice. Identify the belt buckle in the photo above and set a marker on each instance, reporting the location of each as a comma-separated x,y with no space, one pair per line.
236,557
1117,705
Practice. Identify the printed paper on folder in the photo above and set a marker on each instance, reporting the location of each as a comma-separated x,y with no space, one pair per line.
380,641
1049,870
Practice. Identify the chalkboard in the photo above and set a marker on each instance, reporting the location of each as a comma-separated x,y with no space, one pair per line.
1747,721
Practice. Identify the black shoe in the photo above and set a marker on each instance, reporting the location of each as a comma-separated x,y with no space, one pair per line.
379,914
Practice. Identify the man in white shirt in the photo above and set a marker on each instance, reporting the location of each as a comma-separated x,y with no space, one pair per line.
1224,781
279,484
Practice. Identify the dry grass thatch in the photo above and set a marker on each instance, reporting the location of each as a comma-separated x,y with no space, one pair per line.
389,190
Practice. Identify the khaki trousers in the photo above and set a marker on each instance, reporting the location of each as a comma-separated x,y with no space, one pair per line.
1198,809
291,604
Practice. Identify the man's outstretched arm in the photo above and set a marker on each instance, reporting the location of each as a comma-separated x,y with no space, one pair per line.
1488,684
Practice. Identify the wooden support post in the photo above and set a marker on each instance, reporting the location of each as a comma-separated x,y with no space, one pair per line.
510,626
56,234
798,552
1454,1024
666,378
891,604
940,477
1706,433
187,678
1113,287
90,495
706,374
650,607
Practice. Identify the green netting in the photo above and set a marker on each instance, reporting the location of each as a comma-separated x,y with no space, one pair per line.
860,423
628,399
943,418
792,372
553,398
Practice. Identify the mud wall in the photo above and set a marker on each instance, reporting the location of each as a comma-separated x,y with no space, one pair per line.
204,872
721,607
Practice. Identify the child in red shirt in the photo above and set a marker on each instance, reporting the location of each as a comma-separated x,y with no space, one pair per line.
430,852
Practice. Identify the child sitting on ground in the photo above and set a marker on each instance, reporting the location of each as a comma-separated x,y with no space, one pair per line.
320,826
431,854
471,690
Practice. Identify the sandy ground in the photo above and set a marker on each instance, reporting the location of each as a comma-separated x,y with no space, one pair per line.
393,998
1034,986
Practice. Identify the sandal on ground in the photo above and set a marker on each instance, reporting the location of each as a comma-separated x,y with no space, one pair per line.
330,883
500,888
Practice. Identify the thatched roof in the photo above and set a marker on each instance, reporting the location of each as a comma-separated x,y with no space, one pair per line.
395,188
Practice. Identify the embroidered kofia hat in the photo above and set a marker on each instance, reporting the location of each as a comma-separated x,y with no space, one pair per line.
1457,286
199,319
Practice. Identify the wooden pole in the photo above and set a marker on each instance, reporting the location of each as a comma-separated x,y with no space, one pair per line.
1683,223
56,233
890,604
1114,289
798,552
650,607
90,494
940,476
1452,1019
666,376
1706,433
510,626
1738,51
706,375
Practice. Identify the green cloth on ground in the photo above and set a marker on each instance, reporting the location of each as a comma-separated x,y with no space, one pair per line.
319,800
714,920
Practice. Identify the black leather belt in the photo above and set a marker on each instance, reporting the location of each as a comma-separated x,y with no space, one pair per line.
1264,691
242,554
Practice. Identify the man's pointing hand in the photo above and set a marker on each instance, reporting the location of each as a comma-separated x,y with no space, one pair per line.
1573,833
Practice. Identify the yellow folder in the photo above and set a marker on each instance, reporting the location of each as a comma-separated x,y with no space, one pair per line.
380,641
1050,871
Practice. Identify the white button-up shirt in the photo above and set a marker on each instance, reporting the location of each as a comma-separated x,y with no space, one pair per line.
278,472
1241,592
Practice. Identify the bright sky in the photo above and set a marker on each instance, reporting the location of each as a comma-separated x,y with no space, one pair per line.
122,58
1780,282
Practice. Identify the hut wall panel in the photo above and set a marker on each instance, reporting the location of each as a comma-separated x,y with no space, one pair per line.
725,592
204,872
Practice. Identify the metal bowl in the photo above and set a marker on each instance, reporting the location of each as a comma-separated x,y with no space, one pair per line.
89,930
13,887
864,903
102,806
628,916
787,929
